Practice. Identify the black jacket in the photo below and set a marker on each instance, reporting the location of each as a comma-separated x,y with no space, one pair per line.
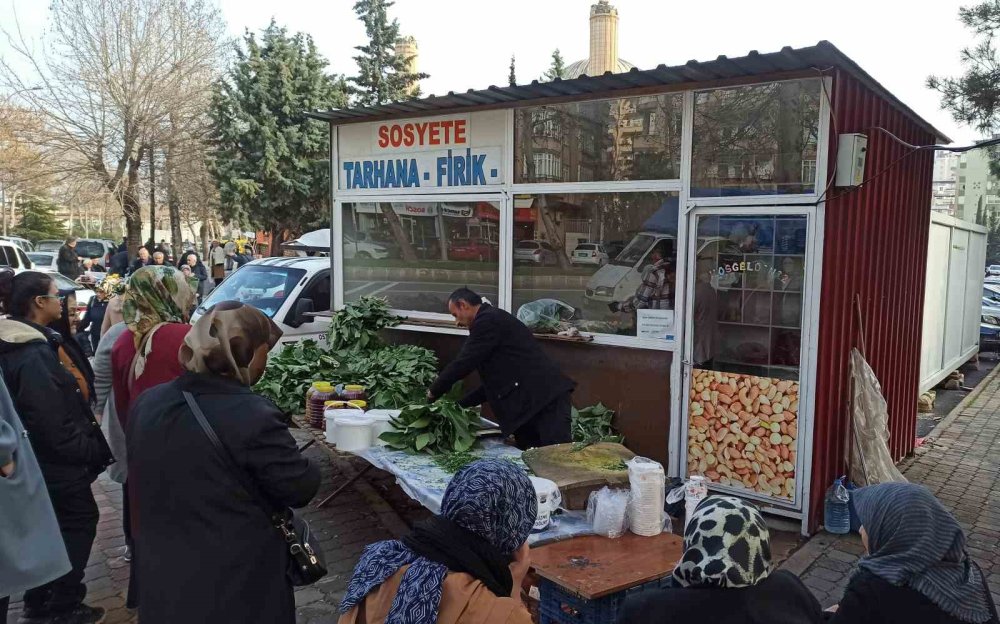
138,264
518,378
870,599
209,552
68,262
119,263
64,433
781,598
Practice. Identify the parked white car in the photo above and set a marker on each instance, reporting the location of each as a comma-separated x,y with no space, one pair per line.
23,243
14,257
285,289
589,253
993,270
44,260
535,252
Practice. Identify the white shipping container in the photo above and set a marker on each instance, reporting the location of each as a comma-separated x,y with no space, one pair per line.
956,262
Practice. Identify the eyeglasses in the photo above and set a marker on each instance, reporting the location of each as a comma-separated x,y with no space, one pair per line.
59,297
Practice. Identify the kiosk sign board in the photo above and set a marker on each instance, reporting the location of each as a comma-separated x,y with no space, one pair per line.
458,152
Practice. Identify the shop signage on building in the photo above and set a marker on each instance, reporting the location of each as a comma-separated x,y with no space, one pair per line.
457,151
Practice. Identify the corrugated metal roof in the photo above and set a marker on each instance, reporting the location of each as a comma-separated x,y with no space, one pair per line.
821,57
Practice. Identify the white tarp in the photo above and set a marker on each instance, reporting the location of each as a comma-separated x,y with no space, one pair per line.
317,240
871,461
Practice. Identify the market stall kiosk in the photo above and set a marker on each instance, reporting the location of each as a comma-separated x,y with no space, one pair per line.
694,222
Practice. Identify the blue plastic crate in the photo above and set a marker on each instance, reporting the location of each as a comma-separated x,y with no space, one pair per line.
558,606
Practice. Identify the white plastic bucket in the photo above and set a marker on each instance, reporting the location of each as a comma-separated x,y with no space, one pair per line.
330,415
353,432
549,499
381,424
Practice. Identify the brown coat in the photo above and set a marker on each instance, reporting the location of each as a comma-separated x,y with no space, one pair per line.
464,600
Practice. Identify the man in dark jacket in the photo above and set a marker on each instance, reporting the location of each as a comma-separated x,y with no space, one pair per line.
529,395
143,260
68,262
119,263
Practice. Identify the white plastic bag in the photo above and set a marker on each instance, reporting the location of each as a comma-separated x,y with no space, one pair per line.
607,511
543,313
871,461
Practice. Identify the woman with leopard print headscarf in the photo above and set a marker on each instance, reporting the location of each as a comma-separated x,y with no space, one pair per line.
725,576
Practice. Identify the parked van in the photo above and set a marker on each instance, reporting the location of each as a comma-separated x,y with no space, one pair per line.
285,289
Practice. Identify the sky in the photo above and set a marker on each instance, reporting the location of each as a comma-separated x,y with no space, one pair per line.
468,43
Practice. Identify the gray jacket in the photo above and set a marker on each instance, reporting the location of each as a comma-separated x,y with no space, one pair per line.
31,547
105,395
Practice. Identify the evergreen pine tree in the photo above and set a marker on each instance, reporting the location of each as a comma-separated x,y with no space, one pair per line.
383,75
512,77
270,161
38,220
558,67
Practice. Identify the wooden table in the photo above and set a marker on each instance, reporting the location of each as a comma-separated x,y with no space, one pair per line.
592,566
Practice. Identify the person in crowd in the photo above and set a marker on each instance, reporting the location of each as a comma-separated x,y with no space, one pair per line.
93,318
156,307
66,438
217,256
67,262
124,244
164,247
915,568
725,575
72,354
119,263
31,548
234,259
528,393
206,551
198,270
656,292
464,566
111,328
159,258
141,261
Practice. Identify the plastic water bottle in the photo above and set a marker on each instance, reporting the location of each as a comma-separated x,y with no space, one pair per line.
836,511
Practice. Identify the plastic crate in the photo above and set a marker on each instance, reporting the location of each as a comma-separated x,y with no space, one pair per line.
558,606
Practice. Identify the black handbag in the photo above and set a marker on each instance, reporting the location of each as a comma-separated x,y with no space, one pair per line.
306,562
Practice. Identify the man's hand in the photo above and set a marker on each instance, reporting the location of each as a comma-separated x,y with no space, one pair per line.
7,470
519,565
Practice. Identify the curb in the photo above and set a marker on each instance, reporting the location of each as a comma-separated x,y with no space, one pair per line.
386,514
957,410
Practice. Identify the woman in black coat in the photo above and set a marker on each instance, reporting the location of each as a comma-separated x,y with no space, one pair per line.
205,550
725,576
71,450
192,261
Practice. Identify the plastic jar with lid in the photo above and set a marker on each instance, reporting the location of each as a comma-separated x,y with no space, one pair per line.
309,408
334,410
323,392
353,392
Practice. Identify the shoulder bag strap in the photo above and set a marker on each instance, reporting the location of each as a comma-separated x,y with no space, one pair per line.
239,474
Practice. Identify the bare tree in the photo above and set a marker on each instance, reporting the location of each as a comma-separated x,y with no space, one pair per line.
112,72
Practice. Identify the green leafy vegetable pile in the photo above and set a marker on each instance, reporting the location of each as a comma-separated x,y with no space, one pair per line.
438,428
455,461
393,376
593,424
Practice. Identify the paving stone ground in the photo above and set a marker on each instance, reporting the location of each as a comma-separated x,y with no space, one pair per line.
345,527
961,466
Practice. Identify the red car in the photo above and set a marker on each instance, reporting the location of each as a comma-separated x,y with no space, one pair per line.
473,250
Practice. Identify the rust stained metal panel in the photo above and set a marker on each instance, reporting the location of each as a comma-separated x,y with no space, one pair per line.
875,249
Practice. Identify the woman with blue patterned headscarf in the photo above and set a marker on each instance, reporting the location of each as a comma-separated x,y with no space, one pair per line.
464,566
916,568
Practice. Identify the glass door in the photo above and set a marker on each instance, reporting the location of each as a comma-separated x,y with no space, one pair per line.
745,345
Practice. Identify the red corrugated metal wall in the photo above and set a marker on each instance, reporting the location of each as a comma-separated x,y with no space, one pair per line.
875,247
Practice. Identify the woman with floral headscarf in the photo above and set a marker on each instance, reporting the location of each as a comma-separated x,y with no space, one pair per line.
155,307
206,550
916,568
725,575
464,566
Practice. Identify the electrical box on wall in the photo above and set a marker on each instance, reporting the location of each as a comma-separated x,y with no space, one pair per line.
852,150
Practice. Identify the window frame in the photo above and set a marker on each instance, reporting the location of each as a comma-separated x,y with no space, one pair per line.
504,194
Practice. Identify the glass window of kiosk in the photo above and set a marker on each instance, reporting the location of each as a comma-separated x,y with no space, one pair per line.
637,138
756,140
601,262
415,254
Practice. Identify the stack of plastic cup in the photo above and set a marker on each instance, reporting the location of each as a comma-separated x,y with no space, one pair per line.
695,491
648,484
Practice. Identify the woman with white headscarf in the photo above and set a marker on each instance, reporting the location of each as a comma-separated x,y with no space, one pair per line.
464,566
916,568
725,575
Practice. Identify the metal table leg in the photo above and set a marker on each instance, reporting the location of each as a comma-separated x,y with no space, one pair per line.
341,488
